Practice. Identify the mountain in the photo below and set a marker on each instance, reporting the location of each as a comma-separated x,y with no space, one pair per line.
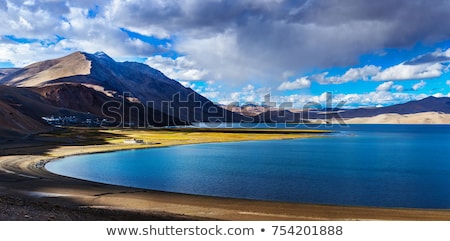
6,71
394,118
417,106
429,104
132,81
97,104
83,88
21,111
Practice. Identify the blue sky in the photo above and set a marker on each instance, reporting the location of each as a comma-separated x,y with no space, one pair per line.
367,53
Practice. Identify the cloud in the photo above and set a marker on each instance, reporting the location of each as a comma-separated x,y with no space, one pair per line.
301,83
439,95
419,85
351,100
353,74
408,72
24,54
294,35
63,27
180,68
235,41
249,88
438,56
386,86
398,88
448,82
298,36
247,94
31,19
3,5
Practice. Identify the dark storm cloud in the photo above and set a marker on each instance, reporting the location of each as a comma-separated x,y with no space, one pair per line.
3,5
436,57
244,39
294,35
406,20
403,22
56,7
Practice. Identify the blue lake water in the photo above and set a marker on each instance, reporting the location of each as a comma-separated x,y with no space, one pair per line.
363,165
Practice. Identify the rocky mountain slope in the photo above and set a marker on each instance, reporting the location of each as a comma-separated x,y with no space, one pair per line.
134,81
6,71
21,110
86,86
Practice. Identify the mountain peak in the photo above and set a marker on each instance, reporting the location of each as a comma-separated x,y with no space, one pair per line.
42,73
102,54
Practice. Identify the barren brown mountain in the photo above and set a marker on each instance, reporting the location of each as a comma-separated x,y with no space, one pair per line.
134,81
21,110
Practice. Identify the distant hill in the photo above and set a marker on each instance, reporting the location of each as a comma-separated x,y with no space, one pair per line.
417,106
429,104
5,71
394,118
134,81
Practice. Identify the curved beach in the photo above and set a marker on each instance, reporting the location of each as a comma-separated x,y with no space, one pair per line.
29,192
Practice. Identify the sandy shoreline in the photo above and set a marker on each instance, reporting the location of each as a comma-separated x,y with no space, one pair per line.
29,192
394,118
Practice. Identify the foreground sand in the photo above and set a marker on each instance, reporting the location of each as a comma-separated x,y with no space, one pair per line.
29,192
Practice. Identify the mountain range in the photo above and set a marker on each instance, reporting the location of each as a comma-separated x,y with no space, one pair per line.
86,88
95,86
429,104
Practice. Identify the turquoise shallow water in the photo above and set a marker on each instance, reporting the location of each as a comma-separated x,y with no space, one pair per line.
363,165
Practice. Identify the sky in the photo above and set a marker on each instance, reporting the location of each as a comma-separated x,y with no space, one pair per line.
364,52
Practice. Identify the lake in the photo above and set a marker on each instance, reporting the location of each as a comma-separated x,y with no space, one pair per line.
359,165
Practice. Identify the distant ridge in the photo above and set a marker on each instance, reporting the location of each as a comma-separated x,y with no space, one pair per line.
429,104
42,73
6,71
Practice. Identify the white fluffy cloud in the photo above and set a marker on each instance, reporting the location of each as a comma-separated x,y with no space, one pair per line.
249,87
401,71
24,54
419,85
386,86
437,56
181,68
38,30
247,94
439,95
352,100
398,88
353,74
300,83
408,72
